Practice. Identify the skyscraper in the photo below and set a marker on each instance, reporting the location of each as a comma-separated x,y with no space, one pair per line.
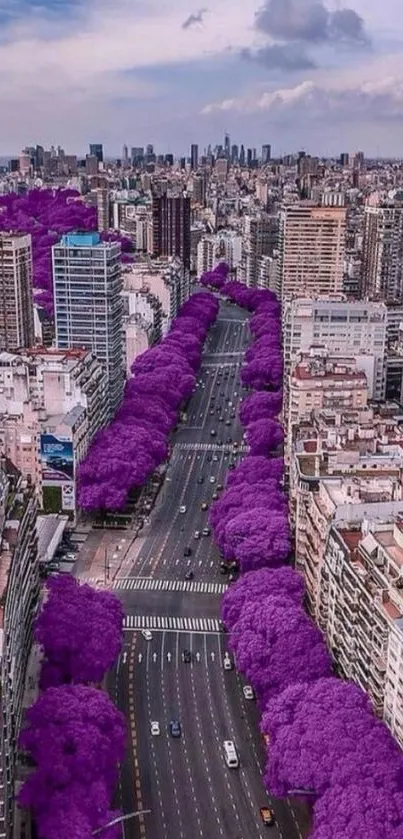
171,227
97,150
125,154
227,146
16,303
382,252
311,250
242,156
194,156
88,304
266,154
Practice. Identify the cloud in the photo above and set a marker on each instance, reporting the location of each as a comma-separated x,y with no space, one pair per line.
287,57
339,101
309,21
194,19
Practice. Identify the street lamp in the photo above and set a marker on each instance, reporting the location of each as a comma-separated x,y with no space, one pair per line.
120,819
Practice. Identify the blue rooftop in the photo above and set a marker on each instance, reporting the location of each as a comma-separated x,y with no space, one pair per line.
81,240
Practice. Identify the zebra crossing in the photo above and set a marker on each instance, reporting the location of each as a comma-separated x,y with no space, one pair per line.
208,447
170,624
150,584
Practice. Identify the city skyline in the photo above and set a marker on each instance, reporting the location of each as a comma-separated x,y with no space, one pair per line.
251,72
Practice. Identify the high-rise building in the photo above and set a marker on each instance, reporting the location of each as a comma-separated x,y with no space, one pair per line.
87,282
194,156
97,150
266,154
259,239
344,159
16,303
103,209
227,146
311,250
137,154
242,156
91,164
249,157
125,154
171,227
19,591
382,252
234,154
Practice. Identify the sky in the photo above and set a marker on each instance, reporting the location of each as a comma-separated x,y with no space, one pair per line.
299,74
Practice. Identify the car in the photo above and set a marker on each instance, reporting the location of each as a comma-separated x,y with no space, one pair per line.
196,534
200,479
219,487
182,508
206,531
213,432
267,816
204,506
231,578
214,496
223,568
248,692
212,479
175,729
236,393
232,414
212,412
187,551
228,423
221,418
155,728
208,458
189,575
186,656
228,663
215,458
147,634
222,393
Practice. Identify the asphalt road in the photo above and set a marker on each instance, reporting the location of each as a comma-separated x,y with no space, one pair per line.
185,782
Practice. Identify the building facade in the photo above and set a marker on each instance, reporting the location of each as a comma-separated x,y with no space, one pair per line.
16,301
87,281
311,250
382,253
19,581
171,227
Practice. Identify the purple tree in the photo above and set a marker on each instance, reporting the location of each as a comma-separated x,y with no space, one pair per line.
254,587
263,436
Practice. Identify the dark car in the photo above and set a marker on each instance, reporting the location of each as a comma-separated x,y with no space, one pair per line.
187,551
175,728
187,656
189,575
200,479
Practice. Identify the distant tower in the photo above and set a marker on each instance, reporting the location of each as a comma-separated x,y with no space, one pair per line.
194,156
97,150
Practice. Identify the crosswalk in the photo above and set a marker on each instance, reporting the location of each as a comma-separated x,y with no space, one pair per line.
170,624
208,447
150,584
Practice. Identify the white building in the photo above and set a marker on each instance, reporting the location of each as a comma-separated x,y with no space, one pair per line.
87,281
166,279
52,403
225,246
344,328
142,317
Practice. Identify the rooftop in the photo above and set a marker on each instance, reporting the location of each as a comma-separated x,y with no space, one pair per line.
81,240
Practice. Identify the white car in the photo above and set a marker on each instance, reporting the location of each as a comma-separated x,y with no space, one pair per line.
147,634
155,728
215,458
182,509
228,665
212,479
248,692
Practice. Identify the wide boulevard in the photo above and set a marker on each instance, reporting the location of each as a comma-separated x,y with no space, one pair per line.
184,782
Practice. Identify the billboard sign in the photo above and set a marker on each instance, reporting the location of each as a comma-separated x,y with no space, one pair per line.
56,454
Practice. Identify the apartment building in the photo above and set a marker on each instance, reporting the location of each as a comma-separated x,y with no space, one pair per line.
225,246
260,235
311,250
171,227
361,609
345,328
16,300
320,381
142,317
19,583
88,304
166,279
52,403
382,252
